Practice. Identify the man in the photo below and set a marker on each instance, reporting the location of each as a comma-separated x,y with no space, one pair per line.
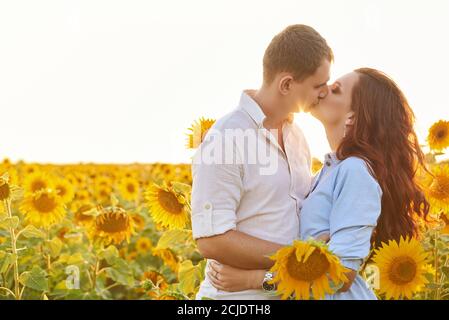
240,207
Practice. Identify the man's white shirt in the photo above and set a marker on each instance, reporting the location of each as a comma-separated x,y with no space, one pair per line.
249,184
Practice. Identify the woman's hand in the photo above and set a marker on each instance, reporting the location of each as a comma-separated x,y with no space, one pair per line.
227,278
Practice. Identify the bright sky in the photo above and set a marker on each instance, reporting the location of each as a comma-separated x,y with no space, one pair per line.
121,81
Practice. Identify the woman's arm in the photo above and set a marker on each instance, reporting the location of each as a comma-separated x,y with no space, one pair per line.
227,278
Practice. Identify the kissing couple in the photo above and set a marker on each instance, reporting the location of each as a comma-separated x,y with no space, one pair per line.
364,195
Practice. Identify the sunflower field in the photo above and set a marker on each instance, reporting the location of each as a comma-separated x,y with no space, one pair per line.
94,231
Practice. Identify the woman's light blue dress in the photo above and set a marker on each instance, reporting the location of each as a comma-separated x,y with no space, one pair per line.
345,202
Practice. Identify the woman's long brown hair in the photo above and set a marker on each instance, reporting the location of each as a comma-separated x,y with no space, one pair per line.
382,134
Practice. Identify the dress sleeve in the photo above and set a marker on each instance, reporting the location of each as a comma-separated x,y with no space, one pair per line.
356,207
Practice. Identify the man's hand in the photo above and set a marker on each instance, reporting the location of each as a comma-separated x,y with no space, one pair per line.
325,237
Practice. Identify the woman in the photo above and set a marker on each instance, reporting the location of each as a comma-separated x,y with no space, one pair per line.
365,193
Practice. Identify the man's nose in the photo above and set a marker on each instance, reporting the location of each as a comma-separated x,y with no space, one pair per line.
323,92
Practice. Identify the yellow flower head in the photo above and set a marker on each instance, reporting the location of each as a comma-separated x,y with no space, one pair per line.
198,131
112,225
43,208
402,267
139,221
36,181
316,165
168,208
143,245
437,188
305,267
168,257
438,137
64,190
129,188
83,219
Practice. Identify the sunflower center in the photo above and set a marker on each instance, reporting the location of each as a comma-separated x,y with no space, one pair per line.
144,245
5,191
80,216
44,203
169,202
61,191
441,134
315,266
402,270
131,188
112,223
37,185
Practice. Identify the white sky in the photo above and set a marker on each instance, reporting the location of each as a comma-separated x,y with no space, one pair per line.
121,81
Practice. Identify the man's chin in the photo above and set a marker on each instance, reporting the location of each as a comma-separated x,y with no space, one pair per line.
308,109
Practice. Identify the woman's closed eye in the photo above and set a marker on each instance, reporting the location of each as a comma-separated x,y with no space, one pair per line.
335,88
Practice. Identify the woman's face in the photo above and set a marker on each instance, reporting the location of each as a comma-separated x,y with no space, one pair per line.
335,108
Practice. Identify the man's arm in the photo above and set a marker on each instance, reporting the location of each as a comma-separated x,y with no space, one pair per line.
239,250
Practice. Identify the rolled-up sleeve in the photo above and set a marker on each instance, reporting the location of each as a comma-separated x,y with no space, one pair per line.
356,208
216,193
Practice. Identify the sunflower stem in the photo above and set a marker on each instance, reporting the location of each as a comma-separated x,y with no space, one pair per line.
9,291
12,232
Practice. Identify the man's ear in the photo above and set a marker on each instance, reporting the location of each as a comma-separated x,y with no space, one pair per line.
285,84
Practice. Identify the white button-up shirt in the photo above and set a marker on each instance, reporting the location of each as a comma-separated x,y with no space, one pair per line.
254,193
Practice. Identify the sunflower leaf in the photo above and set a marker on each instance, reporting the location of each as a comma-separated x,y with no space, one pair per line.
55,247
188,276
110,254
35,279
172,238
6,259
31,231
181,187
9,222
445,271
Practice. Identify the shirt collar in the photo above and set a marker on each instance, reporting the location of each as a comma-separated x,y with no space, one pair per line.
251,107
331,158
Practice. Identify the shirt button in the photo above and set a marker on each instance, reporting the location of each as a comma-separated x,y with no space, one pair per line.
207,206
328,163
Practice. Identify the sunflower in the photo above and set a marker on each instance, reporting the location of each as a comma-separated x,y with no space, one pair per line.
306,266
82,198
445,220
83,219
139,221
198,131
168,257
112,225
43,208
316,165
5,188
143,245
402,267
129,189
168,208
102,194
157,284
36,181
437,188
64,190
438,137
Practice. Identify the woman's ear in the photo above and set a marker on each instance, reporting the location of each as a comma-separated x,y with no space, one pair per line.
285,84
349,118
